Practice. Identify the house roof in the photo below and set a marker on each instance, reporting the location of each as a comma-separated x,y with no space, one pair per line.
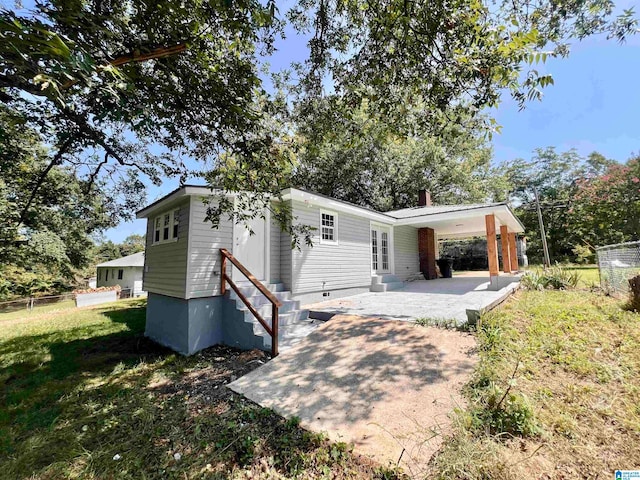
434,209
450,221
135,260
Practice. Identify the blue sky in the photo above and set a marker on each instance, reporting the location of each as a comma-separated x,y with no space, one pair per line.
593,106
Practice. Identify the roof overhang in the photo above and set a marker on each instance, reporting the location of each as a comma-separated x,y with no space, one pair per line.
175,197
466,223
335,205
458,223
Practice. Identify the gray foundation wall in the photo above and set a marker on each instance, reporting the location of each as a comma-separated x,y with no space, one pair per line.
314,297
188,326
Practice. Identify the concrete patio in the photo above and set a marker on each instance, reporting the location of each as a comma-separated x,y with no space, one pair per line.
386,386
461,298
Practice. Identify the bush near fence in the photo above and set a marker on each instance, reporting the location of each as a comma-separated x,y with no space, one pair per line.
617,265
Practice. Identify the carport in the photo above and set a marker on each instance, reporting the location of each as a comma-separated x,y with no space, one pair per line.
446,222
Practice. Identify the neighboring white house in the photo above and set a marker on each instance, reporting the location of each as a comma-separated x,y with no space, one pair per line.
354,250
126,272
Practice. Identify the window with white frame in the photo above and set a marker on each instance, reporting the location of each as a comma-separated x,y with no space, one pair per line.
166,226
384,240
328,227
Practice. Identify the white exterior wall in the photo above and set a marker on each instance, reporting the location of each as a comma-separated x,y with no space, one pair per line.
131,278
204,261
405,251
285,259
344,265
165,270
274,255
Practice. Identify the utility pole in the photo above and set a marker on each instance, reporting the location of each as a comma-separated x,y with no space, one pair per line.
545,248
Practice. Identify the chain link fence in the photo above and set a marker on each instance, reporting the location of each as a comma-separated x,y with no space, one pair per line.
29,303
66,300
617,264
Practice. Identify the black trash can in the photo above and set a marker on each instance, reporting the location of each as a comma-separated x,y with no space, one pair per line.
445,265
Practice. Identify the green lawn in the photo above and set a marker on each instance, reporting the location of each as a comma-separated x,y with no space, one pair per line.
37,310
86,395
556,393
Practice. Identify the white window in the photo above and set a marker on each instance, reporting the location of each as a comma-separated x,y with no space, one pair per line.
166,226
156,230
374,249
385,250
328,227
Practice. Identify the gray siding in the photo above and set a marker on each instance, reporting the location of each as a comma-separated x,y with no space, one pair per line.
405,250
331,266
285,259
166,263
274,255
204,254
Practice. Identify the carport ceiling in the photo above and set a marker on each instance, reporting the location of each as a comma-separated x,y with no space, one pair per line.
465,223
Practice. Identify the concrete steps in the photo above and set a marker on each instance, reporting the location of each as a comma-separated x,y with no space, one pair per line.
385,283
293,322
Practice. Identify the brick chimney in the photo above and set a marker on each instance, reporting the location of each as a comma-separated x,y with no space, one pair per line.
424,198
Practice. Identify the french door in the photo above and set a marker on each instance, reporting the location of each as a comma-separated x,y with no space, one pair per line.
380,249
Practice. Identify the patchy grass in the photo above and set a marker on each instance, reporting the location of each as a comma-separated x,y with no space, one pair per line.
86,395
567,364
24,313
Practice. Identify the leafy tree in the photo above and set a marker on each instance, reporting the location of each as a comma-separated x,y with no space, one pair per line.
605,208
585,202
364,162
106,251
104,82
132,244
107,84
552,175
55,231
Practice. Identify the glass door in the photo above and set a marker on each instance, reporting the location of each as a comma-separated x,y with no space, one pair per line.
380,250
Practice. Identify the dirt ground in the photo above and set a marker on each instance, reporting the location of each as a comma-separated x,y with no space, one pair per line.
386,386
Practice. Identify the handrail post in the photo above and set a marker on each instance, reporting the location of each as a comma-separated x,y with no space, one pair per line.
274,330
223,273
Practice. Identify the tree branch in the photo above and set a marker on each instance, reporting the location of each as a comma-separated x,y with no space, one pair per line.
57,159
134,57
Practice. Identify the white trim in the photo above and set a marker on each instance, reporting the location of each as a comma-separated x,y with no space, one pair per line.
188,284
335,205
188,190
171,212
336,227
267,245
501,211
392,250
390,256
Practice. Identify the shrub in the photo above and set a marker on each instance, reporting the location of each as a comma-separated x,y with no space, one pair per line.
554,278
634,293
504,412
584,254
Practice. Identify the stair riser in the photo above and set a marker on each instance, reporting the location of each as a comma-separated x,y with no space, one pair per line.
283,320
386,287
265,310
381,279
248,289
260,299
